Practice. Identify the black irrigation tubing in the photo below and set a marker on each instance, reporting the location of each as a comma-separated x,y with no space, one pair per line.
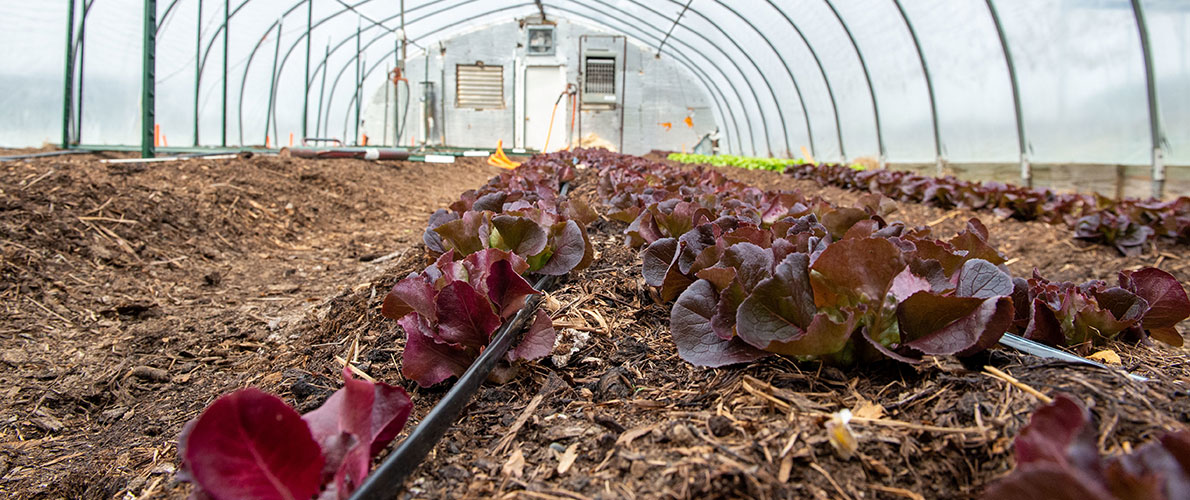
387,479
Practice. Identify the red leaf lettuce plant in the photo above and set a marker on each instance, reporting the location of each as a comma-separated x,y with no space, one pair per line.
250,444
1125,224
1057,458
755,273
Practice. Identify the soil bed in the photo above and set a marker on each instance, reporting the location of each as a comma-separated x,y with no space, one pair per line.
134,294
110,350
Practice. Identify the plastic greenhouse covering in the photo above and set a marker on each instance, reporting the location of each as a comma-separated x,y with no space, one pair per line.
842,78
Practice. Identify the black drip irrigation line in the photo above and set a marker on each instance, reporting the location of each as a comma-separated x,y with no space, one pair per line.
386,480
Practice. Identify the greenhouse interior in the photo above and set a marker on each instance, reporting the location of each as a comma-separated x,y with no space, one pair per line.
595,249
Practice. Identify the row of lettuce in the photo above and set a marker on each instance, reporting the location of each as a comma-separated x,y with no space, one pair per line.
756,273
1126,224
751,273
250,444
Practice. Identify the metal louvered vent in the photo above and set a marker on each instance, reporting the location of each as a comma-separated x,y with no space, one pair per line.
600,76
479,86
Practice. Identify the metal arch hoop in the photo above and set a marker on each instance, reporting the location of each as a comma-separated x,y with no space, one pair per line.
796,88
925,69
863,64
690,65
763,119
747,81
1157,135
825,79
322,66
686,61
1026,172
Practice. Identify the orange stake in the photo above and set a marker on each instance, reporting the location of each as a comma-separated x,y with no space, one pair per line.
291,139
157,135
266,142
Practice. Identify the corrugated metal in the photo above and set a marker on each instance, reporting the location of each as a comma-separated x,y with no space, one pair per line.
479,86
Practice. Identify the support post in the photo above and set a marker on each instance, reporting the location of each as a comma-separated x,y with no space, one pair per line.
273,84
397,70
306,79
357,85
80,70
197,66
226,36
925,69
68,76
1157,136
322,90
672,26
148,79
1026,168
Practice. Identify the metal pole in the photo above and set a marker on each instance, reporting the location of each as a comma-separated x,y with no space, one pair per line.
396,92
81,70
306,79
826,80
357,83
1026,168
273,84
384,129
68,76
148,79
925,69
400,126
197,67
671,28
1156,134
226,36
322,90
867,77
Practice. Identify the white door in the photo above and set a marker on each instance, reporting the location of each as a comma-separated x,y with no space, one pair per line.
543,85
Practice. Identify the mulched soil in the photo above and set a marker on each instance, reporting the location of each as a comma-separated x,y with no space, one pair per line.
110,347
134,294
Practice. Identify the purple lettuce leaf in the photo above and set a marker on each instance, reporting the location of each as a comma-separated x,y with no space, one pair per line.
427,361
824,336
943,325
538,340
355,424
464,316
780,307
249,444
462,235
690,325
981,279
657,259
507,289
974,240
1168,303
569,247
431,238
519,235
751,262
414,293
855,271
1057,457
